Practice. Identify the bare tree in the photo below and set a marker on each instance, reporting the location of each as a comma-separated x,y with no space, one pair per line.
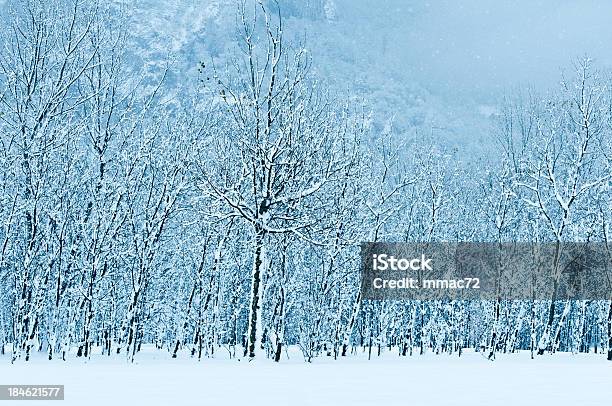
563,170
285,149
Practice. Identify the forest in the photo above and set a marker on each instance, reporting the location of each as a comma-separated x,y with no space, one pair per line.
224,219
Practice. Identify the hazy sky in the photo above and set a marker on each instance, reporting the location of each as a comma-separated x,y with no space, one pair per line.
465,53
484,47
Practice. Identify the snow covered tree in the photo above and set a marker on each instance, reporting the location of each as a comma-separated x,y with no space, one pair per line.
282,150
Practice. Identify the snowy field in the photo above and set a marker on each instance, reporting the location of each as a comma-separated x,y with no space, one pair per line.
430,380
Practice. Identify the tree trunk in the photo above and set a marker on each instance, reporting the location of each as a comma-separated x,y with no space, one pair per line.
610,332
495,330
280,335
255,306
349,328
545,340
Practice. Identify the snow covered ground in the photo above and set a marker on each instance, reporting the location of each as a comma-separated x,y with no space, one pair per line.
430,380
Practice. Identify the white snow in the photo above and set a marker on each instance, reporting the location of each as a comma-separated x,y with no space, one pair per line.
429,380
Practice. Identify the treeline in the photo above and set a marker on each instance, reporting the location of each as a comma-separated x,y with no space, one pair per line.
228,216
